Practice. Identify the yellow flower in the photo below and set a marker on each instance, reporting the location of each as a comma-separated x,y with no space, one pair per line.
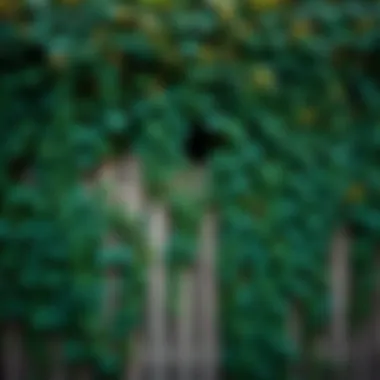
263,77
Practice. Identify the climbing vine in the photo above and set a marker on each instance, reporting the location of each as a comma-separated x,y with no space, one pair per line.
278,99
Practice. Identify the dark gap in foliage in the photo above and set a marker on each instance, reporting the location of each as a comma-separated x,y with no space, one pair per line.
19,55
217,37
34,55
120,144
355,229
142,63
124,72
355,95
85,82
373,64
26,14
360,65
172,74
169,73
201,143
18,166
246,272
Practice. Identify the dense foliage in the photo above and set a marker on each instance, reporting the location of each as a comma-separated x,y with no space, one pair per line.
282,101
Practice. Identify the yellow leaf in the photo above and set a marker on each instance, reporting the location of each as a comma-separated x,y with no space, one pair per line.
58,60
225,12
263,77
225,9
157,3
262,5
356,193
99,35
364,24
123,14
336,91
9,7
301,29
306,115
207,53
70,2
242,29
151,24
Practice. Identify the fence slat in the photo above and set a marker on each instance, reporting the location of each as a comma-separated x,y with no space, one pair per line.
185,327
340,283
135,365
376,323
130,191
208,298
158,233
296,334
111,279
58,365
13,354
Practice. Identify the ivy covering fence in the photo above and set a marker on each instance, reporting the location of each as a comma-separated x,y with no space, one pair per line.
279,100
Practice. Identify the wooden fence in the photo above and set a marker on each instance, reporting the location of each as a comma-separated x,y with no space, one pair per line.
185,346
182,346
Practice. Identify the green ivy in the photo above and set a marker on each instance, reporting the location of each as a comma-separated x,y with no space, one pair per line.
287,91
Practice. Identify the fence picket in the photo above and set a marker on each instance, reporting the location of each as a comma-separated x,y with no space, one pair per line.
158,232
58,365
13,355
185,327
340,282
208,298
130,191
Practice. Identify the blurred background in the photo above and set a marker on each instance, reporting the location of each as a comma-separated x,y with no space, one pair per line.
189,189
